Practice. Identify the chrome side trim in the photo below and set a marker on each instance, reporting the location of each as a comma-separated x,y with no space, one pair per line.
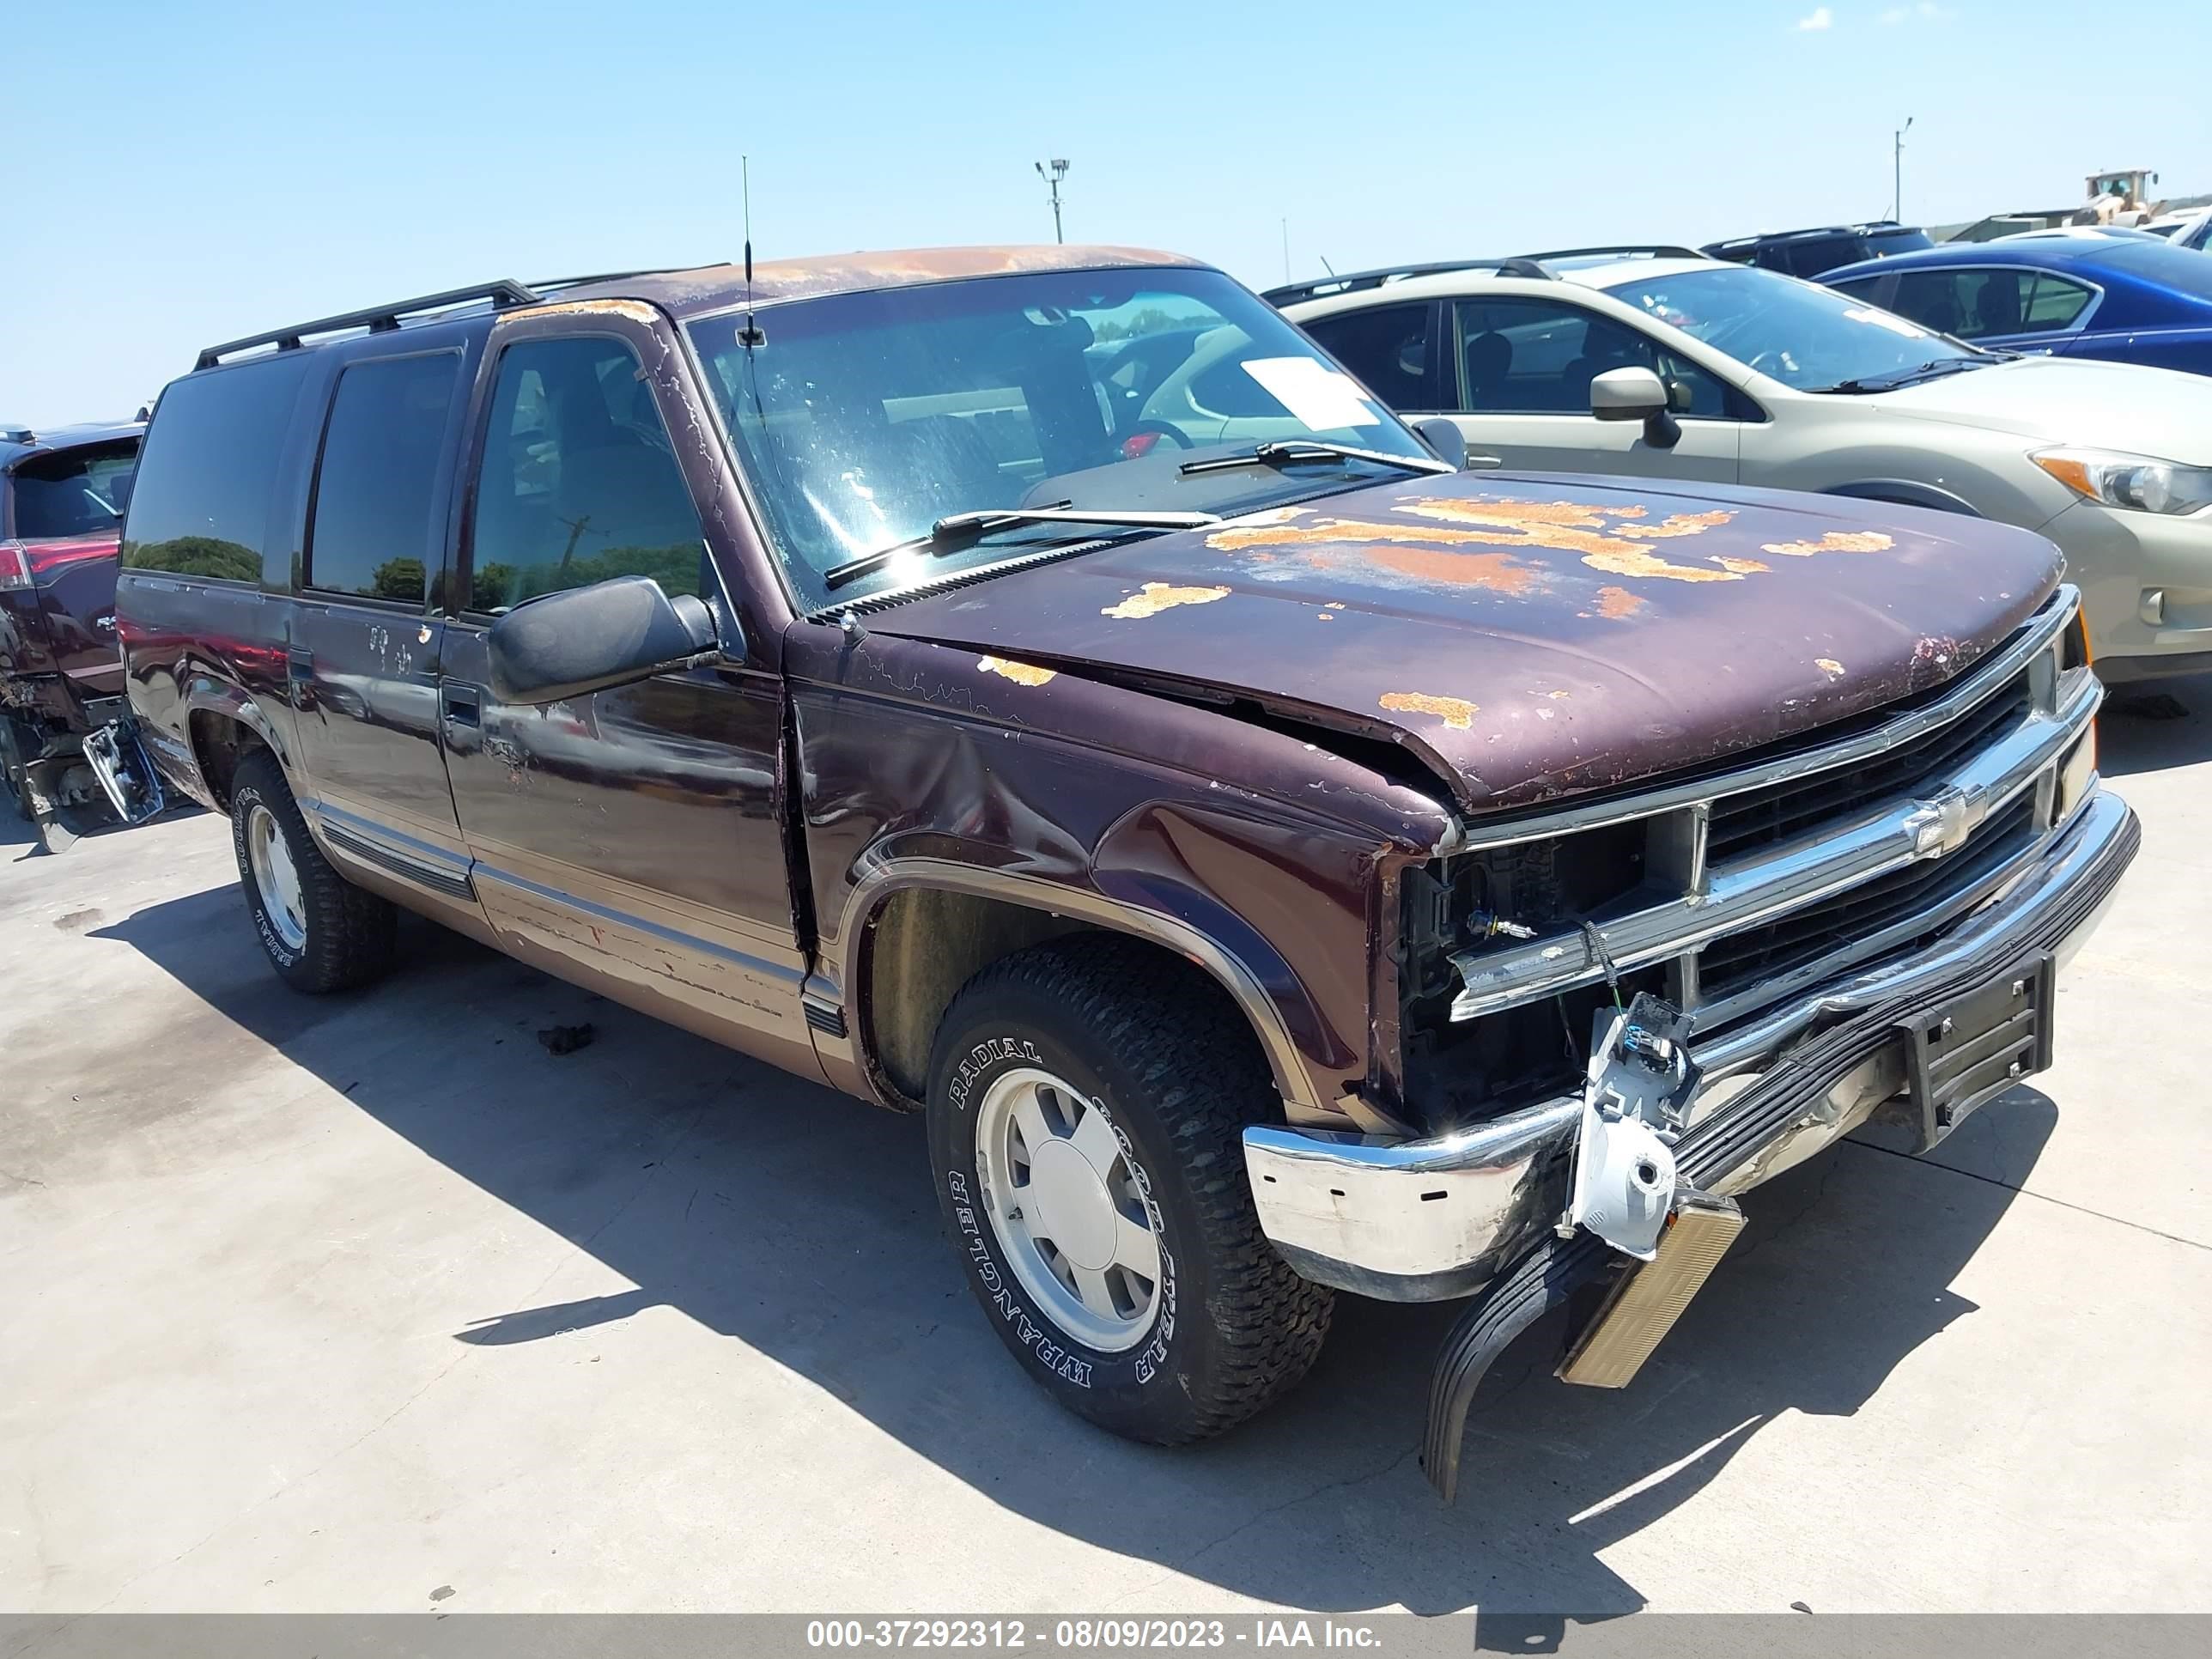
883,878
775,972
403,855
1421,1219
1832,859
1976,683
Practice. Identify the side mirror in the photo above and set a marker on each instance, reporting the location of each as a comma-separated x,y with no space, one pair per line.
587,639
1636,394
1445,438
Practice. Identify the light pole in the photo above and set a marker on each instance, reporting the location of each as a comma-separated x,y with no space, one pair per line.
1897,170
1052,180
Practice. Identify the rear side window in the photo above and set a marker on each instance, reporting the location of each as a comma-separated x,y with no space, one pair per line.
370,531
199,503
74,492
1386,347
580,481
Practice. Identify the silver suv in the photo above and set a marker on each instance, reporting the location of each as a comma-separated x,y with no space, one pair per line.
1659,362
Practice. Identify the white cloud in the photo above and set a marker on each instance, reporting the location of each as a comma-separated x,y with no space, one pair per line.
1821,18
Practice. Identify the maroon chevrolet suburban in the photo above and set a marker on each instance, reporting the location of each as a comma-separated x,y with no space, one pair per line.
1038,688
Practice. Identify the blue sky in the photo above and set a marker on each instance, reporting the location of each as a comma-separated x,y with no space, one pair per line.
182,172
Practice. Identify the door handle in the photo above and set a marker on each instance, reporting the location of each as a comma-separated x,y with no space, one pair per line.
299,677
1482,463
463,704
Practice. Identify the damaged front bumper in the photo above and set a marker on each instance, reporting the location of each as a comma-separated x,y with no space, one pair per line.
1422,1219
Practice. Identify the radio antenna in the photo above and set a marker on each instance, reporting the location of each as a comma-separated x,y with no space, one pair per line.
748,337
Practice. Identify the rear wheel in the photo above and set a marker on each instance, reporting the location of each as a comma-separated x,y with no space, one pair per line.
1086,1107
320,932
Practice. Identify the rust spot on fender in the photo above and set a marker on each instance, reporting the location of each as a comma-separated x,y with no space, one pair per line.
1457,713
1021,673
1836,541
1615,603
1741,567
1156,597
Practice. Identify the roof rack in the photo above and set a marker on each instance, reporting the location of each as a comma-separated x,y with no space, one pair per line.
377,319
1652,250
13,433
1352,282
1753,240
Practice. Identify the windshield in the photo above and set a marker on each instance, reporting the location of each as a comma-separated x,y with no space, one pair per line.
74,492
1803,335
861,419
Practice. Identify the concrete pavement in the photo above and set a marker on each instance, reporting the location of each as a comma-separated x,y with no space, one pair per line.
339,1305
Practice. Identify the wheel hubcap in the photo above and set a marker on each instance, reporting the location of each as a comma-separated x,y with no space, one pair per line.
276,878
1064,1205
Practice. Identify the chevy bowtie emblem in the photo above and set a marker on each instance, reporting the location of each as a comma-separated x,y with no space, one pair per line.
1939,824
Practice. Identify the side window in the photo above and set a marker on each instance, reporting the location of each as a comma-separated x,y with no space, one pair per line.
1528,356
578,481
370,529
1998,298
1387,349
200,499
2052,303
1940,300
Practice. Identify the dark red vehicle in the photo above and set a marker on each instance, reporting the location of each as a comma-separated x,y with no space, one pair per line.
62,496
1278,861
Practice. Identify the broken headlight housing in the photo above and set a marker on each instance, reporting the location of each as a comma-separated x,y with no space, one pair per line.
2137,482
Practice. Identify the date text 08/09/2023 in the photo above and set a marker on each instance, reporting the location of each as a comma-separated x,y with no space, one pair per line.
1086,1634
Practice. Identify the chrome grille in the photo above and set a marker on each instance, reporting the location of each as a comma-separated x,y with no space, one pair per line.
1798,864
1933,888
1760,818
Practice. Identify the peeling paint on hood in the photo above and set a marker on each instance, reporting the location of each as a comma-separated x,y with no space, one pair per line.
1681,627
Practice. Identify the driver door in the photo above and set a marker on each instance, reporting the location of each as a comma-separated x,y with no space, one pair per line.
630,840
1515,378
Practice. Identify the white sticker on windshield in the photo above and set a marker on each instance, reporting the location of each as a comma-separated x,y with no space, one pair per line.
1313,391
1889,321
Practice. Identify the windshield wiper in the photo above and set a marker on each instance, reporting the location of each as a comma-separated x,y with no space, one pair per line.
1289,451
959,530
1898,377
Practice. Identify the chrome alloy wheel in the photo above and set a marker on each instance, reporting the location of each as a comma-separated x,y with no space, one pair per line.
276,877
1066,1207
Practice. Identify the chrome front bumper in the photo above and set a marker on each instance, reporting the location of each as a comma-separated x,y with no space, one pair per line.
1424,1219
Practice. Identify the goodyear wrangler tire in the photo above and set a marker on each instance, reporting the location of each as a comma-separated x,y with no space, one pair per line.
1085,1107
319,932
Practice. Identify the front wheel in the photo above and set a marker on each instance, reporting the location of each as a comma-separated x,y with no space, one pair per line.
1085,1107
320,932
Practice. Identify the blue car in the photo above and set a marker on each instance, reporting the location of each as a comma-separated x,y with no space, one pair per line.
2073,294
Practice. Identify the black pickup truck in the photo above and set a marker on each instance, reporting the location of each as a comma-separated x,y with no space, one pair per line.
1277,860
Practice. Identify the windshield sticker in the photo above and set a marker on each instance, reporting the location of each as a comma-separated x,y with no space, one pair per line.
1894,323
1313,393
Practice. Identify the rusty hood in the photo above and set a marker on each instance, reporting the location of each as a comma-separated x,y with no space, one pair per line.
1526,637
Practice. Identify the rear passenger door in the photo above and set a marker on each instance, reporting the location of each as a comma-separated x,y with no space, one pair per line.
631,839
361,655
